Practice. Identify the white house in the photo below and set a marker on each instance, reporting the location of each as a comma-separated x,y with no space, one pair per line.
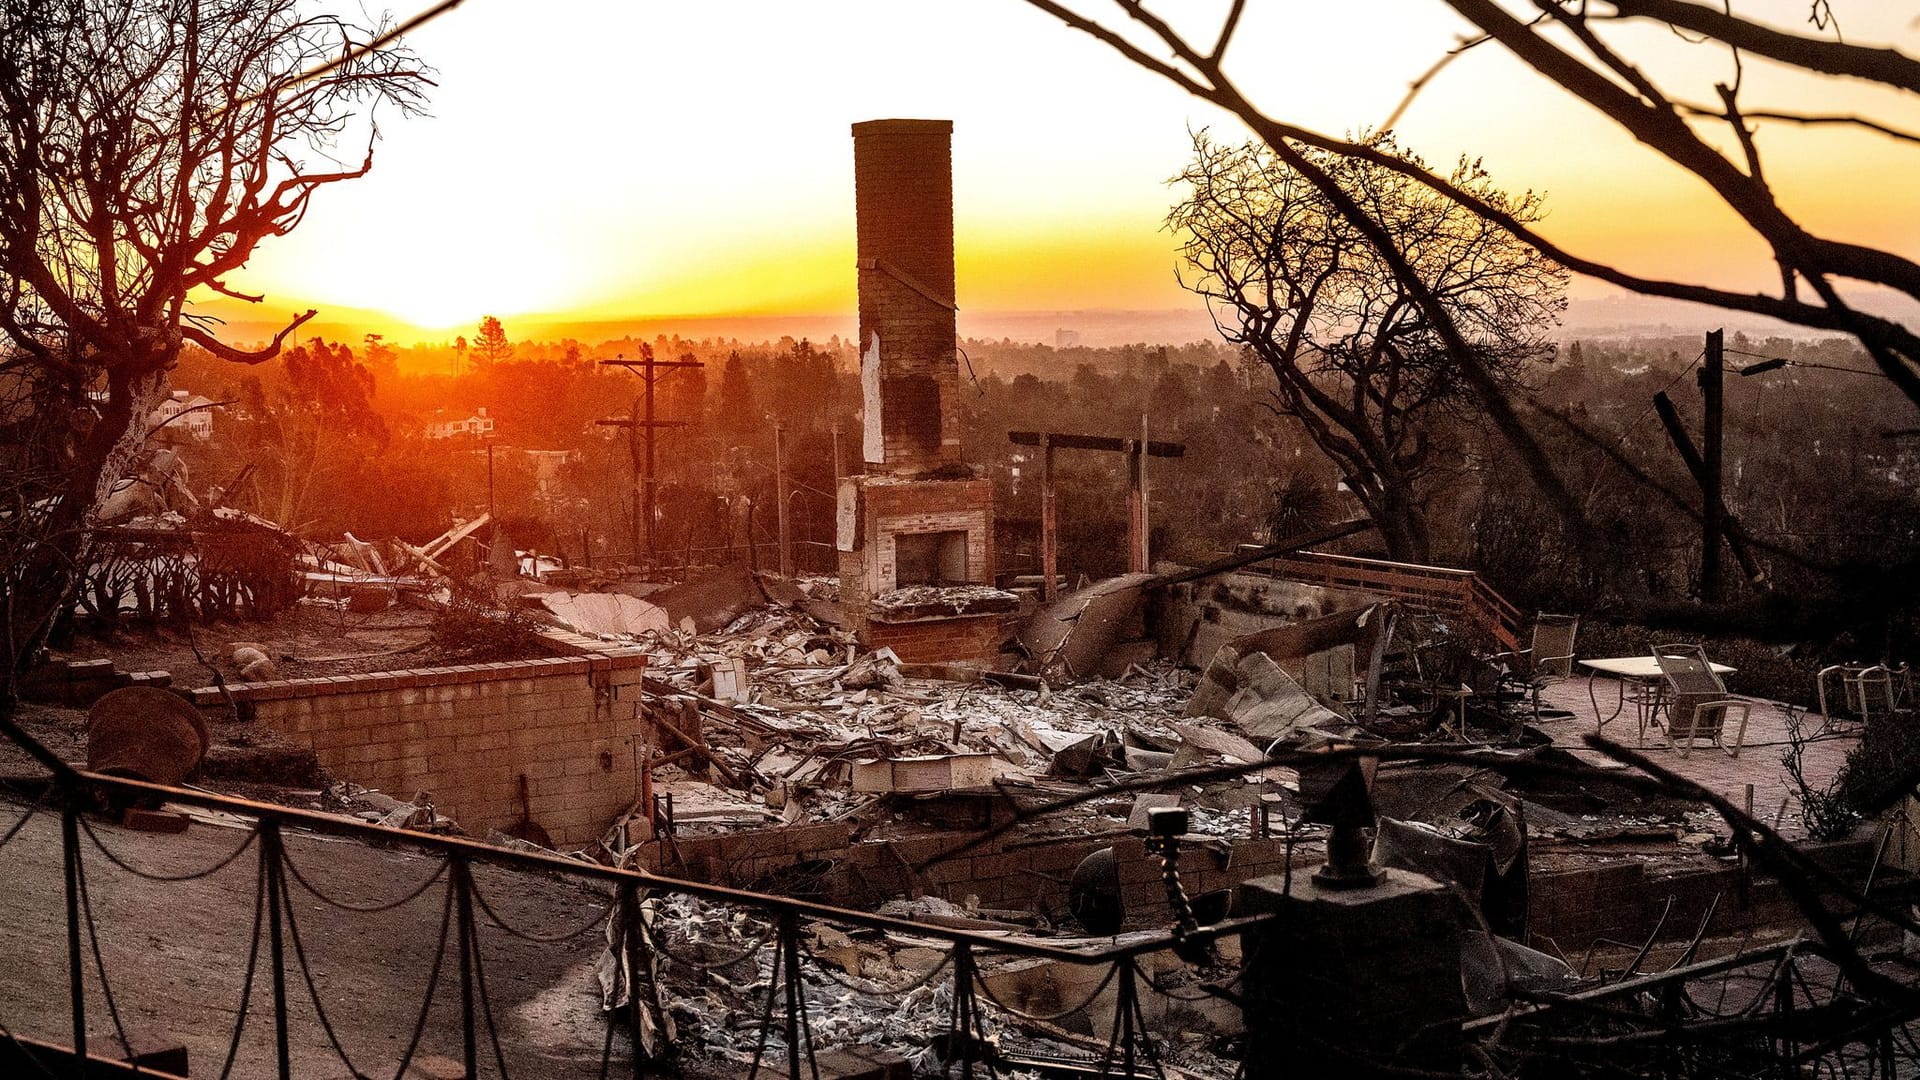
184,412
479,425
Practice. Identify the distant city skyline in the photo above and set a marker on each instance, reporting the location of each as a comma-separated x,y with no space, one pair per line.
616,162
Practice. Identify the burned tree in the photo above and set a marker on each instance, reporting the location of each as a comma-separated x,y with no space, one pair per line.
1356,358
1586,51
148,148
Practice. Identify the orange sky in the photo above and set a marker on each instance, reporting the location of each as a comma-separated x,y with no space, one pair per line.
610,160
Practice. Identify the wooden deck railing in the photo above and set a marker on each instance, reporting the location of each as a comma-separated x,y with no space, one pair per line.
1428,588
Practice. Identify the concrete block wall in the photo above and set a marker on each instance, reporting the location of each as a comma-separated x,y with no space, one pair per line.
466,734
903,195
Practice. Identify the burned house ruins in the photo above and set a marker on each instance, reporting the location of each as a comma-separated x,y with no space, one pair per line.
1286,812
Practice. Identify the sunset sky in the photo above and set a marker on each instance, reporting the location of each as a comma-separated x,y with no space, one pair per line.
615,160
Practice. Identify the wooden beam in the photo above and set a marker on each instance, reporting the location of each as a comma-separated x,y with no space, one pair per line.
1155,448
1137,503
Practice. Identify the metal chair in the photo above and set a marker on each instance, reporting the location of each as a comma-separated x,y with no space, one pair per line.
1699,704
1548,659
1869,690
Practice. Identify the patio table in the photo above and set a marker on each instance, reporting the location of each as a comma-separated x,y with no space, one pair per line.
1641,675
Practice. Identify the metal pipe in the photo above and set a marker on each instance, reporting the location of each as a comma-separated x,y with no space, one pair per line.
76,974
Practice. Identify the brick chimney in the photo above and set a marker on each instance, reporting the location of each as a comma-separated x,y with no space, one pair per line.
915,531
903,196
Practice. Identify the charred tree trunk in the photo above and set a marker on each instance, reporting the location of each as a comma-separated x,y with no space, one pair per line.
52,553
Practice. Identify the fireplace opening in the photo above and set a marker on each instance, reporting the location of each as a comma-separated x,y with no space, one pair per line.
932,558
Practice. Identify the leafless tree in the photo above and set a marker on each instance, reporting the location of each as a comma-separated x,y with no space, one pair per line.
148,147
1569,43
1356,359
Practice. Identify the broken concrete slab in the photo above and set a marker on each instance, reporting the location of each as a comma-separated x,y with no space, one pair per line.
597,614
1278,681
1335,657
1255,694
1214,741
1148,801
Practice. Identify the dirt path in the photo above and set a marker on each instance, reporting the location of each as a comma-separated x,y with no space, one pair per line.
176,953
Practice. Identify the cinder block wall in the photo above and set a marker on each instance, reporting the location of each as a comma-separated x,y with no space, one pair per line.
468,733
1625,901
1011,873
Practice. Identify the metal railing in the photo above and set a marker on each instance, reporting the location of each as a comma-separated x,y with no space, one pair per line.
277,943
1775,1010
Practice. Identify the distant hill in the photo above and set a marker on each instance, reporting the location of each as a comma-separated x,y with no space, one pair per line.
1628,315
1619,316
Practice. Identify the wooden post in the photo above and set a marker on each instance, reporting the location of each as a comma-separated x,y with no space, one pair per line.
1137,451
648,739
1049,525
1137,509
649,495
1712,506
780,493
1147,515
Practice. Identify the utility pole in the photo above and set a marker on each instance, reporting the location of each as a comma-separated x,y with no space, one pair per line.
1712,508
651,371
780,493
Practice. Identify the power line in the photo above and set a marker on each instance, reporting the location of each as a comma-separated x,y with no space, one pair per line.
1775,363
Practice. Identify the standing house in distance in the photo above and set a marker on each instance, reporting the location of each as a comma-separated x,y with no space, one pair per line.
479,425
183,413
915,531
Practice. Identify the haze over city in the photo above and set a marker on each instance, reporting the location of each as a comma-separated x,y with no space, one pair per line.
613,163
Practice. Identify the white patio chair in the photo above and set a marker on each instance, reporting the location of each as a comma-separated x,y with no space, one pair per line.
1699,703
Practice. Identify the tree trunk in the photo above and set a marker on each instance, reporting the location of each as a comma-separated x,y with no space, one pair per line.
1403,525
55,553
